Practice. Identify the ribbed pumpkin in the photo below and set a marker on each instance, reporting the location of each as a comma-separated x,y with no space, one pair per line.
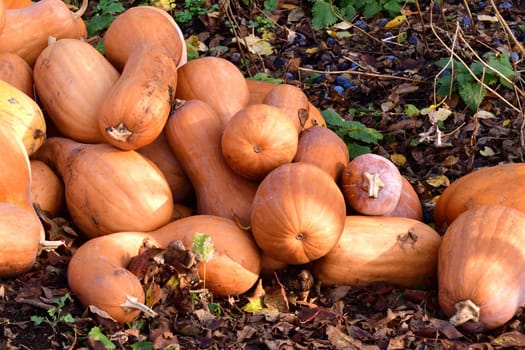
292,100
15,71
323,147
480,267
257,139
298,213
498,184
216,81
108,190
72,79
371,184
372,249
97,272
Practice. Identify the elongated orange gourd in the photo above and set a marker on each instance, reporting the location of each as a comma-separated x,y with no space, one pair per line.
97,272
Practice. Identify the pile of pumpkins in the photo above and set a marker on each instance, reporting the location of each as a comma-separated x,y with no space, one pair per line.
143,146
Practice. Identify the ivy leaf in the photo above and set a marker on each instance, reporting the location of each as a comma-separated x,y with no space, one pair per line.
203,246
322,15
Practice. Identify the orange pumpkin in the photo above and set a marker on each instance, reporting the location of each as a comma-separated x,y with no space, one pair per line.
257,139
371,184
298,213
323,147
292,100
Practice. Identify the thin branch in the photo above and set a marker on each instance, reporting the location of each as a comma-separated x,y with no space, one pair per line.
373,75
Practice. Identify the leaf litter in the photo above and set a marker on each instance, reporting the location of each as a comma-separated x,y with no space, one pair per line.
390,85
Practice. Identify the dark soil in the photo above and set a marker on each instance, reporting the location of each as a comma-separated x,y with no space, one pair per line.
389,69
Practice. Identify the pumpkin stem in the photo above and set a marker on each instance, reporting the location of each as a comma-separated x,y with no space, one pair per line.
133,303
48,246
373,184
120,133
466,311
80,12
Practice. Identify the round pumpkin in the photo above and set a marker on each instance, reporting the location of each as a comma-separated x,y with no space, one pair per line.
257,139
15,71
323,147
298,213
371,184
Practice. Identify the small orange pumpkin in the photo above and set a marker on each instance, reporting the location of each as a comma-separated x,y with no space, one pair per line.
298,213
257,139
371,184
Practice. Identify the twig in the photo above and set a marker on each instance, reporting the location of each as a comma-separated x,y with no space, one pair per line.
472,23
457,57
506,27
427,49
373,75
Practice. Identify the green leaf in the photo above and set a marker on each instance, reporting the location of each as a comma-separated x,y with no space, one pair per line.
332,118
502,64
472,95
67,318
264,77
203,246
393,7
349,12
372,8
359,132
98,23
270,6
355,149
322,15
96,334
142,345
411,110
37,320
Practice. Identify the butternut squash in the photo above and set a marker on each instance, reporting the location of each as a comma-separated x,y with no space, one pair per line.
135,110
21,231
72,79
15,71
292,100
17,4
216,81
106,189
23,115
47,189
395,250
160,153
193,132
499,184
97,272
480,267
26,30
